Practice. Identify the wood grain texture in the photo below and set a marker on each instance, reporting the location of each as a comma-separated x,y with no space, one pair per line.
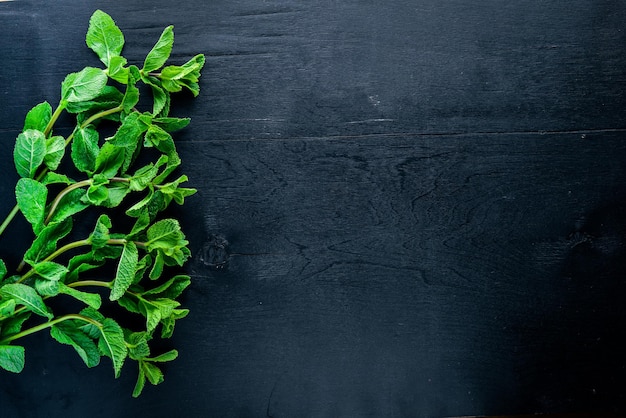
413,208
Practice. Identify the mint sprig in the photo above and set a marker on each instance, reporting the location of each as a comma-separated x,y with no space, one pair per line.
105,178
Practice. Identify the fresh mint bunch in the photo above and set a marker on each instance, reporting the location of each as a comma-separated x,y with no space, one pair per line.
104,178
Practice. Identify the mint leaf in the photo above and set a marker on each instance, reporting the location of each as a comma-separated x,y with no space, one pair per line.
152,314
84,85
31,199
7,308
152,372
165,234
169,356
125,270
109,160
38,117
171,289
131,129
111,344
12,358
69,333
29,152
27,297
13,325
168,323
117,71
141,383
50,270
90,299
55,149
110,97
170,124
69,205
85,148
131,96
160,52
104,37
3,269
100,234
56,178
46,241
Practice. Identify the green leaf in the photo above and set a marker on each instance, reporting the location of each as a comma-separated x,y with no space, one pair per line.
165,234
92,330
84,85
168,323
90,299
12,358
79,264
141,383
7,308
85,148
69,205
130,131
55,149
50,270
13,325
46,241
160,96
27,297
104,37
131,96
152,314
109,160
109,98
169,356
174,77
171,191
69,333
117,71
31,198
100,234
129,304
112,345
138,345
97,194
152,372
125,270
29,152
170,289
3,269
171,124
116,193
157,267
38,117
56,178
159,54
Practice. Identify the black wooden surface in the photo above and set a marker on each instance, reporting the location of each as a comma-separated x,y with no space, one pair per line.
419,207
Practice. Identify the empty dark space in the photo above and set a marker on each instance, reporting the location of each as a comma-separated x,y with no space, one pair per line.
413,208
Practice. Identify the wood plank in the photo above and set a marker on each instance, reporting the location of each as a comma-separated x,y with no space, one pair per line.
413,208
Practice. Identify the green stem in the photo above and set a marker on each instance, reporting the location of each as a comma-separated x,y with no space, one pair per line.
93,118
54,118
83,283
50,324
9,218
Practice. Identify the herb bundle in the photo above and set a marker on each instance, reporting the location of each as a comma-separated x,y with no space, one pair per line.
104,177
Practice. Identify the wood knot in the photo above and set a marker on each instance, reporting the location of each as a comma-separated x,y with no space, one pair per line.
215,253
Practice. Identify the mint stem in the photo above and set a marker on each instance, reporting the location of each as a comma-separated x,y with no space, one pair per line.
50,324
54,118
9,218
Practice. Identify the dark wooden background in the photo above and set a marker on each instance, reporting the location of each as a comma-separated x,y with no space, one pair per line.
420,204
